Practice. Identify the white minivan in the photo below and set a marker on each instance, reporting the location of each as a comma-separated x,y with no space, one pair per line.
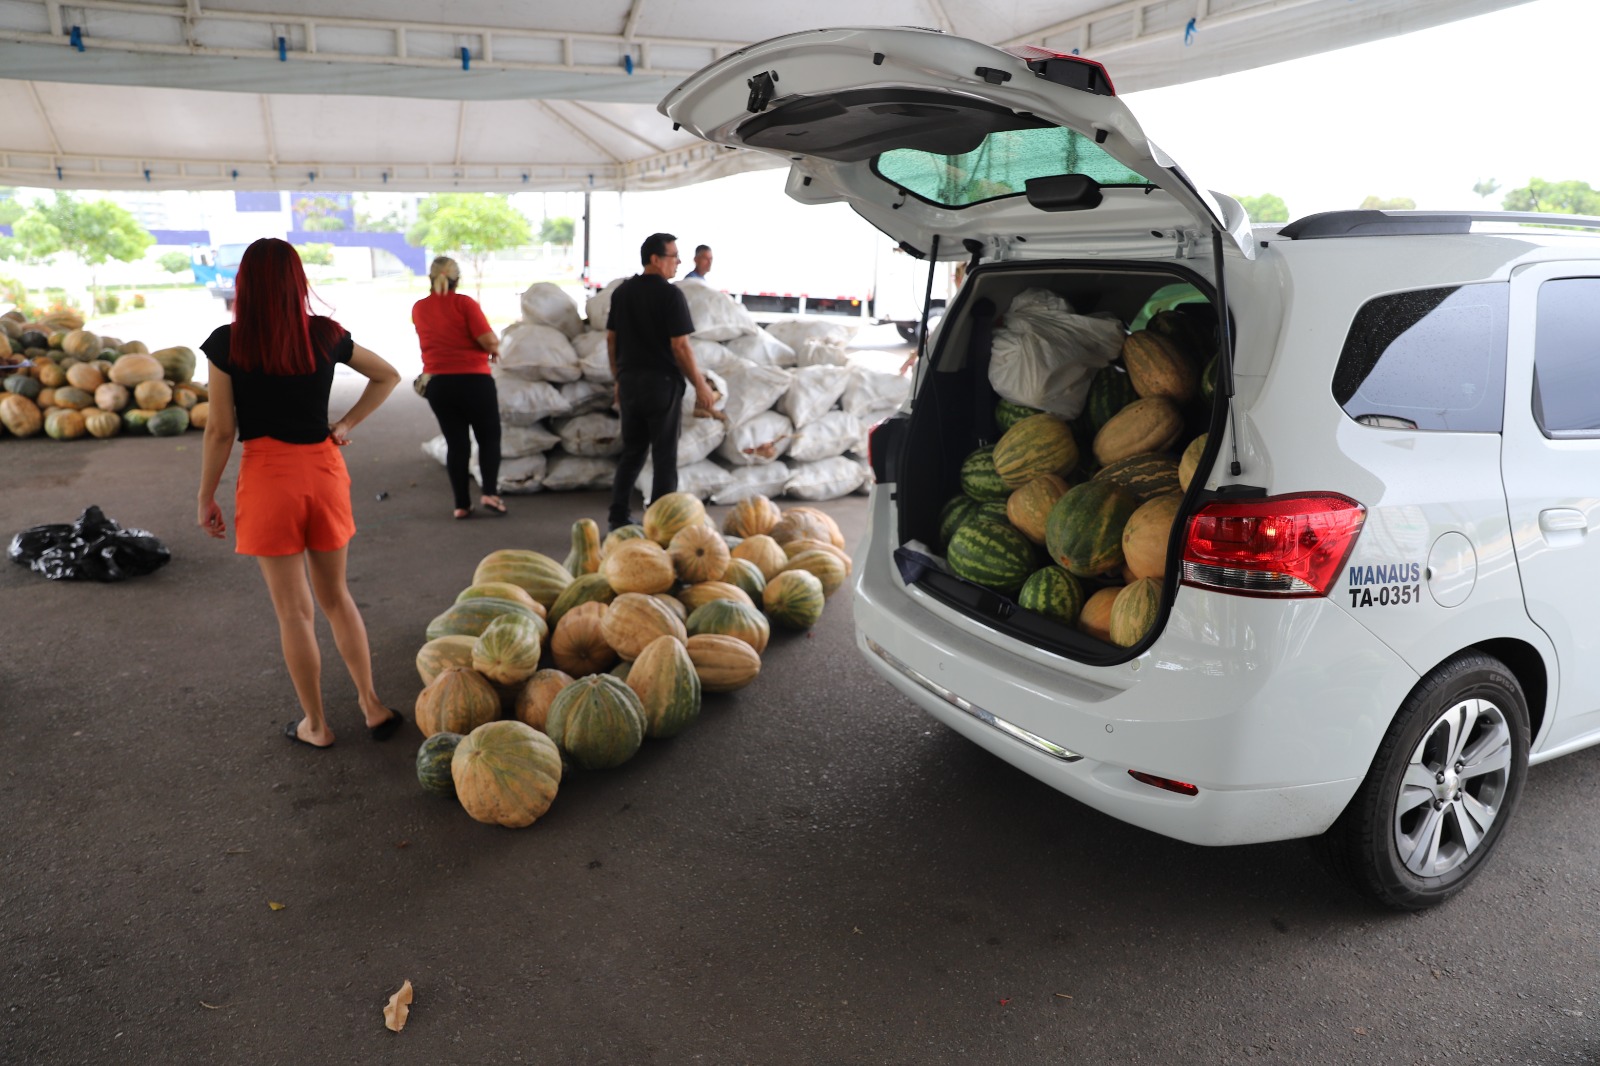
1380,602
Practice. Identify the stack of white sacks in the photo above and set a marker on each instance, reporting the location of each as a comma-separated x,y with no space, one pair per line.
797,413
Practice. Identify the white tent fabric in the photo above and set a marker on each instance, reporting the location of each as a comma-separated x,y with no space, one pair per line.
512,95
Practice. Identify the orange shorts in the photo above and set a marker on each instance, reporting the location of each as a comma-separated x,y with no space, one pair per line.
291,498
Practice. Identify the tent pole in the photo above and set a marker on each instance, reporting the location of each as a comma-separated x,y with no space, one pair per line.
585,238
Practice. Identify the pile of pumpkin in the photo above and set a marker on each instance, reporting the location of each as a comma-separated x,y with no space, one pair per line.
1099,495
68,383
540,664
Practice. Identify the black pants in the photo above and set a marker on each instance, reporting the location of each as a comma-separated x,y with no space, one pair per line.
652,413
463,402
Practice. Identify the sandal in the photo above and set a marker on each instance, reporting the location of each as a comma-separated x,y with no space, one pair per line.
462,512
493,504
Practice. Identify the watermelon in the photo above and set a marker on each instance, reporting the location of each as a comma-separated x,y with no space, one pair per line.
1054,593
1008,414
433,764
1084,530
1134,611
1109,392
1146,476
959,509
978,477
992,554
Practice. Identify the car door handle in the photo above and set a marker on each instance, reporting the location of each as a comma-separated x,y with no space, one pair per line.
1562,520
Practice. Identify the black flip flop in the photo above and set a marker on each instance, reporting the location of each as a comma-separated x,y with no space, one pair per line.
292,731
387,728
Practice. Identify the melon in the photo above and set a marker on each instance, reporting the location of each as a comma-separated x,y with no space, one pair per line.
506,773
793,599
1084,530
1054,593
589,588
766,553
751,515
731,619
433,764
992,554
1157,367
177,364
638,566
673,605
825,565
501,590
133,370
664,679
723,663
584,558
1028,508
532,704
1150,424
696,596
597,721
1146,536
698,554
1134,611
472,616
618,535
1189,464
807,523
508,649
1146,476
443,652
578,645
634,620
746,577
540,576
1095,618
457,701
1038,445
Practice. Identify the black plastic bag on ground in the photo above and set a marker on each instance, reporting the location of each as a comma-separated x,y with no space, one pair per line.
94,548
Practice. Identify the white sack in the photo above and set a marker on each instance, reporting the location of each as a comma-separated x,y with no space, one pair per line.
795,331
587,396
566,473
518,441
835,433
821,351
868,479
871,392
1044,356
538,353
594,361
762,349
598,306
812,391
710,355
521,475
523,402
701,479
699,438
591,435
719,385
760,440
549,305
753,389
827,479
747,481
717,316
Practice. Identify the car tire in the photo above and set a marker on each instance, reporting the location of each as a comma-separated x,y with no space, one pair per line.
1441,788
907,331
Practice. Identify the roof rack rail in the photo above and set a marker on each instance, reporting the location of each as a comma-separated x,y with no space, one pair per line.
1393,223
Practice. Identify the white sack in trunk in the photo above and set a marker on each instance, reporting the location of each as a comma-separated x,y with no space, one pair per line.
710,355
699,438
826,479
588,396
835,433
523,402
566,473
760,440
762,349
538,353
872,391
518,441
701,479
719,385
812,391
598,306
549,305
821,351
753,389
796,331
747,481
594,361
591,435
1045,356
717,316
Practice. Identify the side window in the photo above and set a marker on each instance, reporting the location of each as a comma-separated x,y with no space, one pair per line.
1566,358
1432,359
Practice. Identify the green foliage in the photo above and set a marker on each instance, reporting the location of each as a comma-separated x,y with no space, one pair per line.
138,300
319,214
470,224
316,254
174,262
1486,188
1554,197
94,231
369,221
106,303
13,291
557,230
1265,208
10,208
1398,203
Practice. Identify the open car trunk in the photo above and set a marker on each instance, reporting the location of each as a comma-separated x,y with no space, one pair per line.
954,413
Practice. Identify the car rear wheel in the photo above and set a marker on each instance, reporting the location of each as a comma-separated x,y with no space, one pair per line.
1441,788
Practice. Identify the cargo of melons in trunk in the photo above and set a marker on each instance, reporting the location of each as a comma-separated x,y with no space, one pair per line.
1057,529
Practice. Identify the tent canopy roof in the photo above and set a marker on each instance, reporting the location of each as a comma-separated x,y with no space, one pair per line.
285,94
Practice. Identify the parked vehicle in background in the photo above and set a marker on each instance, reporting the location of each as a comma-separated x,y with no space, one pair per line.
216,267
1368,605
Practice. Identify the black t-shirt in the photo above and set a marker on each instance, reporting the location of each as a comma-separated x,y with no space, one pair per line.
647,311
292,408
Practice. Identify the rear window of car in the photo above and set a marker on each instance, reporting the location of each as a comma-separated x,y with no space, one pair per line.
1000,166
1428,359
1566,358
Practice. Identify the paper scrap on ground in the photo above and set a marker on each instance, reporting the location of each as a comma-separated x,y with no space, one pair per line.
399,1008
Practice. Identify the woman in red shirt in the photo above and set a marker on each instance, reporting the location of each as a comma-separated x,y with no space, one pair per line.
271,372
457,348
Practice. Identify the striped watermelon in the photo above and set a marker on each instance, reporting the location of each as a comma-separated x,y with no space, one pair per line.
1134,611
1109,392
1038,445
1146,476
1054,593
1084,530
979,479
1008,414
992,554
433,764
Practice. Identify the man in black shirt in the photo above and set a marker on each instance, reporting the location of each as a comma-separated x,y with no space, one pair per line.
647,337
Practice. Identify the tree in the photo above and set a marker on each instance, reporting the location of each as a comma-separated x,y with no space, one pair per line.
1486,188
557,230
471,224
312,254
1398,203
1265,208
94,232
319,213
174,262
1554,197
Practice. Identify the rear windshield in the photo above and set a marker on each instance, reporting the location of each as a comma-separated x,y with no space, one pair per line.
1000,165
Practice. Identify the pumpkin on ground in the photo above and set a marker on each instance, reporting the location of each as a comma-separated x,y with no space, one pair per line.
672,604
442,652
506,773
670,513
433,764
723,663
589,588
747,577
168,423
638,566
535,573
200,414
112,397
501,590
84,376
598,721
664,679
457,701
794,599
805,523
698,554
762,550
696,596
132,370
80,344
584,558
20,415
751,515
102,424
177,364
731,619
795,547
533,699
507,651
826,566
63,423
471,617
152,395
73,398
578,645
634,620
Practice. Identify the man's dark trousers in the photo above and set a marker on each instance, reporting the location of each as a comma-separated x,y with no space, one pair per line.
652,414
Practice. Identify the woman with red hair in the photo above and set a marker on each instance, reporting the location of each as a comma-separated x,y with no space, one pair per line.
271,373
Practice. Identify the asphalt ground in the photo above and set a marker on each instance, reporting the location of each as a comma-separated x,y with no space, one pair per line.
815,873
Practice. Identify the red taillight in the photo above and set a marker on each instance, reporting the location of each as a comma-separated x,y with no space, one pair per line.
1277,546
1182,788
